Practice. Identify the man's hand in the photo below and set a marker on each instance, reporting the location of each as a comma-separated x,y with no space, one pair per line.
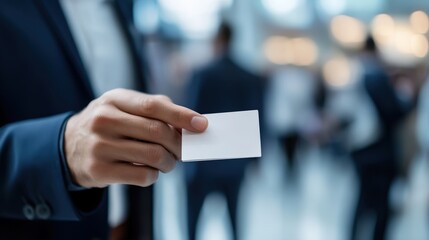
127,137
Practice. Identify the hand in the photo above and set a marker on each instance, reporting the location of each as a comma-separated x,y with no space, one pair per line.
127,137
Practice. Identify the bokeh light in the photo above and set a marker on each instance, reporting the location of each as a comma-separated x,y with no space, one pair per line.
419,21
383,26
277,50
305,51
337,72
420,46
297,51
348,31
402,39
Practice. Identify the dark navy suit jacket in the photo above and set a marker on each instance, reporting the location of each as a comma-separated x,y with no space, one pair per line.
42,81
224,86
391,110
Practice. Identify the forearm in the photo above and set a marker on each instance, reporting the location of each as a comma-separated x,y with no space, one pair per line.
31,171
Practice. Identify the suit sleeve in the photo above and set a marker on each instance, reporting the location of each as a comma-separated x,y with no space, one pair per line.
33,182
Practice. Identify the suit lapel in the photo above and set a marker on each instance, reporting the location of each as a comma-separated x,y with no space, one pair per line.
57,21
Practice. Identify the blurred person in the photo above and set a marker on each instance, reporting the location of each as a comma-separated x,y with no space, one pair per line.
327,128
318,127
408,82
65,135
376,163
294,98
222,86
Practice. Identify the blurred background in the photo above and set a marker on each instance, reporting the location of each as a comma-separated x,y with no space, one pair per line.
333,100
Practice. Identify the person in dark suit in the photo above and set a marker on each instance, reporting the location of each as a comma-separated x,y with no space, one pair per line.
377,163
61,144
222,86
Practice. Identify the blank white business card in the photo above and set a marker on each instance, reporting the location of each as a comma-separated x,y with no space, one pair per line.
229,135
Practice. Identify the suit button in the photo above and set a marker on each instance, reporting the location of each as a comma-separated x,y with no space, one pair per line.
28,211
43,211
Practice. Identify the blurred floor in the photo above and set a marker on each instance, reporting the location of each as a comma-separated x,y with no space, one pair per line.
318,205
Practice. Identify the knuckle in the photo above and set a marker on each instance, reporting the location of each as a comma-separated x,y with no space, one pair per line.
113,92
149,105
143,179
156,153
171,165
100,119
149,178
106,98
155,129
96,173
179,116
98,146
163,98
155,176
93,103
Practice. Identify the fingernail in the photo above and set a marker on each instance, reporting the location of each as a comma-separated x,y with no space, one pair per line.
199,123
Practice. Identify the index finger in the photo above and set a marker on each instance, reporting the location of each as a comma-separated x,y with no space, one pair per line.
158,107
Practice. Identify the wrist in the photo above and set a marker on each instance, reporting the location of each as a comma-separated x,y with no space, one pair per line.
72,184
